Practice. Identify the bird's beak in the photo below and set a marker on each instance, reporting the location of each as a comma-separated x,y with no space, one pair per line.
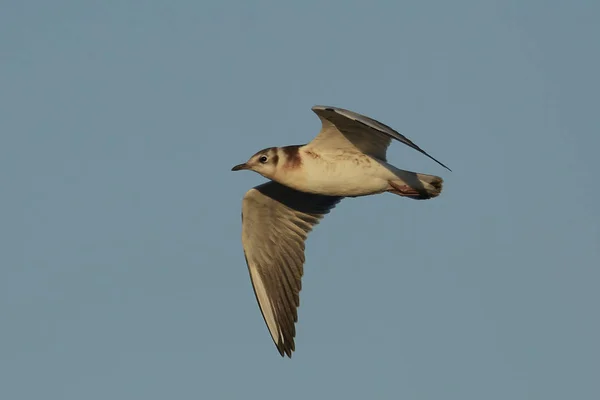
240,167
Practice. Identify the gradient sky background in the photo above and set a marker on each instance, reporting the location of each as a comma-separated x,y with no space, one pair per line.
122,274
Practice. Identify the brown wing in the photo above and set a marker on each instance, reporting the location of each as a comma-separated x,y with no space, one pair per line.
275,223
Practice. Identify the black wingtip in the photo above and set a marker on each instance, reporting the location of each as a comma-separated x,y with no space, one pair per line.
442,164
285,350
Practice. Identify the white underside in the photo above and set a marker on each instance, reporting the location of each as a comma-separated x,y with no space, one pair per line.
340,175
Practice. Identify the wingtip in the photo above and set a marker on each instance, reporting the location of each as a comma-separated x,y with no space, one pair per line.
441,163
285,348
284,351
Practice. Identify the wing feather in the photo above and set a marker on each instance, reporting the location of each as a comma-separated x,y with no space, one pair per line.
276,221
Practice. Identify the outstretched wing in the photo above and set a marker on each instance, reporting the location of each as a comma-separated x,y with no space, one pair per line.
276,221
343,128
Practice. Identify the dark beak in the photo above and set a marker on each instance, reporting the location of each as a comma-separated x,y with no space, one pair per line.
240,167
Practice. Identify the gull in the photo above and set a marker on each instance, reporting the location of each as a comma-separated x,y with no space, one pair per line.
346,159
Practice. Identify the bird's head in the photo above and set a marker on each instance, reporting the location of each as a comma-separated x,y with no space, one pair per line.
264,162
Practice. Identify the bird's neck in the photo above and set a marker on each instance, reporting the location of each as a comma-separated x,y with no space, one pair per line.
290,157
291,165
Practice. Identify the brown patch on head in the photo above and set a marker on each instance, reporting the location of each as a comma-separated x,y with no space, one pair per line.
293,158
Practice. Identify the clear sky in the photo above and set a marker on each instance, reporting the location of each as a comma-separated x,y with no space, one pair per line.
122,274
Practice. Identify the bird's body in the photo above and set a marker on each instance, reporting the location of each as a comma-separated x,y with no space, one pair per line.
332,173
346,159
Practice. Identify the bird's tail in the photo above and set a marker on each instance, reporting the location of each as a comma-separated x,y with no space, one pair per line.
416,186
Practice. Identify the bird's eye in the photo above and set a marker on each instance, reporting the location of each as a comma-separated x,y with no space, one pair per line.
263,159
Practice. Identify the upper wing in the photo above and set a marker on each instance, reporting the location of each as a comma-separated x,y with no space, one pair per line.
344,128
275,223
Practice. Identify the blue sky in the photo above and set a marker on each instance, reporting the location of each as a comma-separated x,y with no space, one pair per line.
122,274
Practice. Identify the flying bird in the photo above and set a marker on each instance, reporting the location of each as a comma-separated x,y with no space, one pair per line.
346,159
